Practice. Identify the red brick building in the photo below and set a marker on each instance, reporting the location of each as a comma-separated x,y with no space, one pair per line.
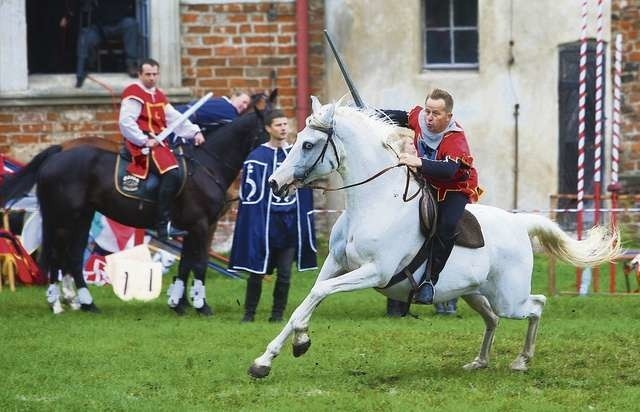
222,46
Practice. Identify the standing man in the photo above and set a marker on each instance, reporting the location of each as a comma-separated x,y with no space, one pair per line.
271,231
219,111
144,113
445,161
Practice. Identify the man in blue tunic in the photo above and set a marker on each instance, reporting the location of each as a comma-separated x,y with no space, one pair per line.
271,231
218,111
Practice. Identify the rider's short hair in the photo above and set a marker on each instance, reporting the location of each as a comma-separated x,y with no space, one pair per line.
274,114
439,94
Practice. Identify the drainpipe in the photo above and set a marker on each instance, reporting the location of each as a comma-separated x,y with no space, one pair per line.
302,62
516,144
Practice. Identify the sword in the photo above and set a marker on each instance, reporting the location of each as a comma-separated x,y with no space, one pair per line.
167,131
354,93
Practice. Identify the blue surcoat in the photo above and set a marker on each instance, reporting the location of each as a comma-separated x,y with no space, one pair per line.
292,217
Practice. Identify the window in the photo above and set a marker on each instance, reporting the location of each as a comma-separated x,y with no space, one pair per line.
28,79
451,34
52,35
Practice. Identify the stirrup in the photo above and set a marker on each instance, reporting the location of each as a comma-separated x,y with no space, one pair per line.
166,231
424,294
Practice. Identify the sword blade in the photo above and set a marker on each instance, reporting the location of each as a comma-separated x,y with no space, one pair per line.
354,93
166,132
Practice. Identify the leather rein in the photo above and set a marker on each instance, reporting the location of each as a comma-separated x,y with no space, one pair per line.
329,131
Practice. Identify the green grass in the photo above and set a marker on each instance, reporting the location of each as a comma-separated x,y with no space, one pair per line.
140,356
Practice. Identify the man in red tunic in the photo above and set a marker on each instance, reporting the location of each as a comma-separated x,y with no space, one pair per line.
446,163
144,113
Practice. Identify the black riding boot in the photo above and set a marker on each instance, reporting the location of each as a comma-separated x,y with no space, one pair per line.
280,296
440,251
252,297
169,186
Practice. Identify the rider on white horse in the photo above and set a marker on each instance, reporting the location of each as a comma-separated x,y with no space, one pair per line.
445,161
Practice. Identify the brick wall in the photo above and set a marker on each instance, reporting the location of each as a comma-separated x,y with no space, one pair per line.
25,131
249,46
224,46
625,19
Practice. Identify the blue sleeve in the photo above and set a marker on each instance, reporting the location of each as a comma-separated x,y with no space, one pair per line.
399,117
440,169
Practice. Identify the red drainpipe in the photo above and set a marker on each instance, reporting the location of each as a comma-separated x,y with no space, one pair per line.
302,62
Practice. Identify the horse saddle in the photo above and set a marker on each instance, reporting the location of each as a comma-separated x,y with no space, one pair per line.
468,232
143,189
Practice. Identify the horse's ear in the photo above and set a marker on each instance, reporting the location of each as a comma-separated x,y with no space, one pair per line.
273,96
341,100
315,104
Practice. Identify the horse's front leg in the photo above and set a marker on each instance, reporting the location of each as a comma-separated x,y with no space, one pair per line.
364,277
301,339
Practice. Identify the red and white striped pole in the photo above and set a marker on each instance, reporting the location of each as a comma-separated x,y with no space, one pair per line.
597,168
614,187
582,91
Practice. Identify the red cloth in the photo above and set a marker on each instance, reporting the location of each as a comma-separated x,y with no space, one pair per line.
455,147
12,253
151,120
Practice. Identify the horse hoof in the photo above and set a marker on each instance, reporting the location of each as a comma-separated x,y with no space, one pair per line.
57,308
519,365
179,310
301,348
475,365
258,371
91,307
205,310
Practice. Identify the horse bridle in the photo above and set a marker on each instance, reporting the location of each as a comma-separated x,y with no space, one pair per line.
329,132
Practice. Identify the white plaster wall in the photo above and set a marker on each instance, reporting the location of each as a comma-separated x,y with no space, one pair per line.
13,46
381,44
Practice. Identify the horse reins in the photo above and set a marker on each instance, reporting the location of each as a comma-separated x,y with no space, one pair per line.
329,132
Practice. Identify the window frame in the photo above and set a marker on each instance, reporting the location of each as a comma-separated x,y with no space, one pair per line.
23,89
451,29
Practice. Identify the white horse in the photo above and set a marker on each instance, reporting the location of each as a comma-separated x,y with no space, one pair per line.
378,235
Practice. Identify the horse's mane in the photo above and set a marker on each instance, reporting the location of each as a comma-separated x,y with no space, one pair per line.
381,130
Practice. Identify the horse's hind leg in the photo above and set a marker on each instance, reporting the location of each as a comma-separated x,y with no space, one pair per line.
536,304
480,304
51,263
77,245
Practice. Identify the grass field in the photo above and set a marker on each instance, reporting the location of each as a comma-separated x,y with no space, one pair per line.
140,356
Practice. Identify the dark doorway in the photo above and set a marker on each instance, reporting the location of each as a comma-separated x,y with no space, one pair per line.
52,32
568,106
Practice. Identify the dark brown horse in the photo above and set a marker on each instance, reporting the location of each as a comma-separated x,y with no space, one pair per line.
75,181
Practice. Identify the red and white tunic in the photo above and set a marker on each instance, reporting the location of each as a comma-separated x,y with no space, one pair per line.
455,147
144,111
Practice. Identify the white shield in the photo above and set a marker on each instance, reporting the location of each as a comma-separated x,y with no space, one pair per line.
134,275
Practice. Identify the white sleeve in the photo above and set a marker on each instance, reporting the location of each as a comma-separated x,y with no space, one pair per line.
129,112
185,129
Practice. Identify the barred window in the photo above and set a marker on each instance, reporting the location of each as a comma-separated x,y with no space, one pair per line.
450,34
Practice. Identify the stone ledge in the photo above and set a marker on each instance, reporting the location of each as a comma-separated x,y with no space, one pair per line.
59,89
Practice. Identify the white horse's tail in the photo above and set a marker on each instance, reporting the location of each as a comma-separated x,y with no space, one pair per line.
599,245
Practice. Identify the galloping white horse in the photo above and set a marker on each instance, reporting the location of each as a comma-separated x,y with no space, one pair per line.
378,235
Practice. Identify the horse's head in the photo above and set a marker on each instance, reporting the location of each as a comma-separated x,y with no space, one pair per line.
315,153
262,104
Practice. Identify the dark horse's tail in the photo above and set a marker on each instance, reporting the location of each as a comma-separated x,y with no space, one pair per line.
20,183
